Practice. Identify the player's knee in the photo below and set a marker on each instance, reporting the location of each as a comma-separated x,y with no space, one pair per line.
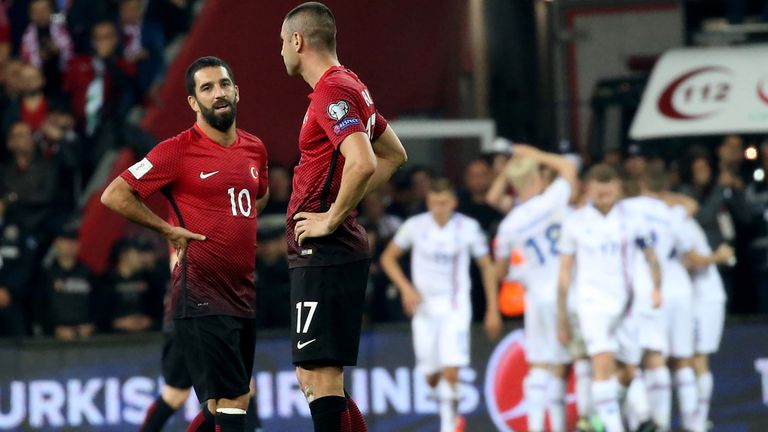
239,402
451,375
653,360
433,380
174,397
319,381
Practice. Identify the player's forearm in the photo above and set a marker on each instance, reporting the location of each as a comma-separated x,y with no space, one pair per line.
502,267
120,198
564,167
653,265
496,193
354,184
385,168
491,284
395,273
390,155
563,285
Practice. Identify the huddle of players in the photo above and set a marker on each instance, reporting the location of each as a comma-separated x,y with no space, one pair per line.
616,282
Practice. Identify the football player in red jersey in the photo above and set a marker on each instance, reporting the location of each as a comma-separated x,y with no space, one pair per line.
215,178
347,149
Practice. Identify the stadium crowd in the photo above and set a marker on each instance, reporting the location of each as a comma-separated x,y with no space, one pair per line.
74,79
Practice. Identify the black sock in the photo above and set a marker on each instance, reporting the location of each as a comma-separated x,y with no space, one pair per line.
157,414
326,413
205,421
230,422
253,422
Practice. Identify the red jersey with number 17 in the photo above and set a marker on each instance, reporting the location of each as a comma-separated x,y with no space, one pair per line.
339,106
212,191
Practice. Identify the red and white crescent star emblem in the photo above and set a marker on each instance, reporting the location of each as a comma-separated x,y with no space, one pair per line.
254,173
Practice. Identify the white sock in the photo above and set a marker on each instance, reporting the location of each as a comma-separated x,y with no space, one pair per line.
687,399
556,405
449,397
636,404
705,384
536,386
583,371
605,397
659,383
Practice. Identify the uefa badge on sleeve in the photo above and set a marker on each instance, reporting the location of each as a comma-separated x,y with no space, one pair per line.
338,109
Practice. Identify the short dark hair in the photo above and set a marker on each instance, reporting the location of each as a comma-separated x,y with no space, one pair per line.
441,184
316,21
202,63
602,173
656,179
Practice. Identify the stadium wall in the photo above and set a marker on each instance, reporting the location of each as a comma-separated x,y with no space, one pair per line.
108,383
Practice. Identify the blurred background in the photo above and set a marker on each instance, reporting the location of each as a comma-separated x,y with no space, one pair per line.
88,87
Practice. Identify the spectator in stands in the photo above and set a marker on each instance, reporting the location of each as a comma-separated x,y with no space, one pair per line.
131,302
32,105
273,296
101,85
382,298
410,192
61,144
69,291
28,182
82,15
16,266
757,196
46,43
478,177
279,190
374,214
635,162
174,15
731,157
10,88
5,37
143,46
723,209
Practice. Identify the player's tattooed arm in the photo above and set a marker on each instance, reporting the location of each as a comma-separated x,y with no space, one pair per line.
655,268
563,284
390,155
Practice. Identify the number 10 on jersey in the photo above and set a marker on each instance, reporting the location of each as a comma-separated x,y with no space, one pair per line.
243,202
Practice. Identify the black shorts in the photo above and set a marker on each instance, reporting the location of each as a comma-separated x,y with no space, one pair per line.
327,312
219,351
175,371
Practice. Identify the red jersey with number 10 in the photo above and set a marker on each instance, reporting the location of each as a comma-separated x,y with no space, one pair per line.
212,191
339,106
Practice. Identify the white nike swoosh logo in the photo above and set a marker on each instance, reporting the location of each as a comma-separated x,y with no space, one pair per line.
301,345
206,175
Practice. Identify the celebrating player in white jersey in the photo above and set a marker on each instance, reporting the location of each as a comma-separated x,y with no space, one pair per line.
601,240
708,311
668,331
531,231
441,243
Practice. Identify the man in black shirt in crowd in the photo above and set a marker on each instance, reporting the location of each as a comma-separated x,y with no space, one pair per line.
69,291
